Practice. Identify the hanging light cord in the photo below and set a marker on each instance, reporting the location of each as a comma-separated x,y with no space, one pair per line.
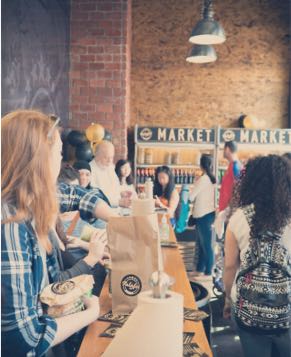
207,10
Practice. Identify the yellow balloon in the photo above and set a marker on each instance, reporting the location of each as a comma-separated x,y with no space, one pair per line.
250,121
95,132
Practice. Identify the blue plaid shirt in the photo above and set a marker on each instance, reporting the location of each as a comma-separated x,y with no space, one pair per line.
75,197
26,330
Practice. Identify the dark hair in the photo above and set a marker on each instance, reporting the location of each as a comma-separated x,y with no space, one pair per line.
158,189
82,165
266,183
118,166
287,155
232,145
68,173
206,165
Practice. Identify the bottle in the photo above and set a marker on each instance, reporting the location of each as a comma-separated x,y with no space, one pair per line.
153,174
141,156
168,158
179,177
175,158
184,177
148,188
146,175
189,176
192,176
149,156
164,229
175,175
142,177
138,176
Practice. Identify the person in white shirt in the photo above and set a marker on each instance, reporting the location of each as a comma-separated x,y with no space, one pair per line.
124,174
104,176
265,192
203,196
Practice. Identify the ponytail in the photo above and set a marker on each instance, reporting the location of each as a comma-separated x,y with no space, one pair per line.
210,175
206,165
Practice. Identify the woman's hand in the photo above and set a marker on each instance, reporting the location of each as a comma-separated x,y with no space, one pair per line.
106,257
96,248
125,202
227,309
159,203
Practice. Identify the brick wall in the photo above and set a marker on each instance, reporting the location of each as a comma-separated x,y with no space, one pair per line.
100,67
250,76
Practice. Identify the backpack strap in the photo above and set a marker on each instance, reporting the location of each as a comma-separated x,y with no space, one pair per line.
249,212
256,246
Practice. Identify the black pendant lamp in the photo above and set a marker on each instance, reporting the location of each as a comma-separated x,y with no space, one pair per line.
201,54
207,31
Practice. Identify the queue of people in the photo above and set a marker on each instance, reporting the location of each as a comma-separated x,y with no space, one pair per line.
38,191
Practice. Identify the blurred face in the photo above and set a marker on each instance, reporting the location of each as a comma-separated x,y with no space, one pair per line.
57,156
125,170
163,179
105,157
85,177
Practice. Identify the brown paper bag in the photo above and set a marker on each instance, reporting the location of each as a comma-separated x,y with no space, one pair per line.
135,254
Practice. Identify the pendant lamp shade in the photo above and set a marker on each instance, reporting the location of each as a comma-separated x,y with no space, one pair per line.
207,31
201,54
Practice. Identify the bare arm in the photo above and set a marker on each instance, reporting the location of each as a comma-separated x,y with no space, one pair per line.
104,212
231,261
70,324
231,265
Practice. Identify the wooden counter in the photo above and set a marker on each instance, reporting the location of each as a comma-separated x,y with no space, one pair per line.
93,345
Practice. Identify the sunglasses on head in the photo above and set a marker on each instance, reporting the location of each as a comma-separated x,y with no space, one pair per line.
56,121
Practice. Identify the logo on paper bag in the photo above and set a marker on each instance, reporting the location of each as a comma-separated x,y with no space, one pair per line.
146,134
131,285
63,287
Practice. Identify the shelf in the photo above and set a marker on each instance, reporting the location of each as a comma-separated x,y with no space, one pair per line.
172,165
176,184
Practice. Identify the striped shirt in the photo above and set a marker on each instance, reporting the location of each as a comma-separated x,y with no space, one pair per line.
26,329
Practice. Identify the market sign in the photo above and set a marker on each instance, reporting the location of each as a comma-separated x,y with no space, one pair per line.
248,136
175,135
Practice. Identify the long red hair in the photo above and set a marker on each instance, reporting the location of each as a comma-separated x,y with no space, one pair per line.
27,180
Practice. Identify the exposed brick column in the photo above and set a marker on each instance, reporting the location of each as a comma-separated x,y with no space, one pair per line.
100,67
